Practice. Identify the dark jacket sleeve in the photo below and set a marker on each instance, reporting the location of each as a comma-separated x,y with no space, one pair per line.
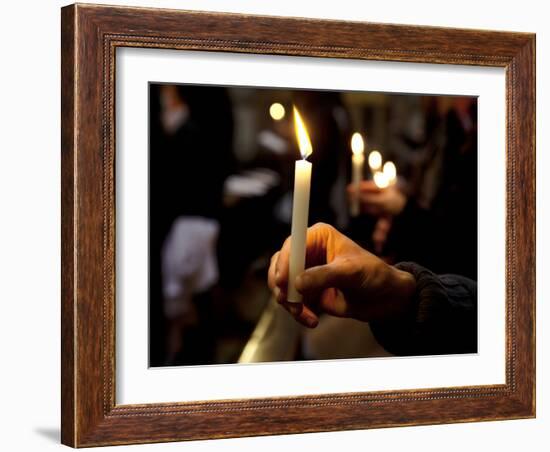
442,320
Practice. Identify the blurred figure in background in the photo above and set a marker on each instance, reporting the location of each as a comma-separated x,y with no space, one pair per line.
190,156
435,217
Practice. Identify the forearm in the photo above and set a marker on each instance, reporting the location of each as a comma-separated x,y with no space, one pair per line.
442,318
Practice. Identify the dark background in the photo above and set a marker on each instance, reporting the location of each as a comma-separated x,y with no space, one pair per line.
228,161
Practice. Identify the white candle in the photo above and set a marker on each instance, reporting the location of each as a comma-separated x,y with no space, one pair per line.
357,165
300,209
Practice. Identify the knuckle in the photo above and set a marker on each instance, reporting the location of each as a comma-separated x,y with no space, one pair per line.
320,226
351,268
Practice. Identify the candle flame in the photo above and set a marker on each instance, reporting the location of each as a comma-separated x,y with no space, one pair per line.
375,160
381,179
357,143
301,134
390,171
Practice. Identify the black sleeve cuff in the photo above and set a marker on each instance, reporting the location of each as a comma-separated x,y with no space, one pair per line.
442,319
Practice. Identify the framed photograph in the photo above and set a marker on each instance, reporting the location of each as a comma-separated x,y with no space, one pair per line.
282,225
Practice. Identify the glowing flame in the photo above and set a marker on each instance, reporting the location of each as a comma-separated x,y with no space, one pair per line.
301,134
357,144
375,160
277,111
390,171
381,179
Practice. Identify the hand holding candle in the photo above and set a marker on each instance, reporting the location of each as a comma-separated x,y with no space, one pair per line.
383,176
340,281
381,194
300,209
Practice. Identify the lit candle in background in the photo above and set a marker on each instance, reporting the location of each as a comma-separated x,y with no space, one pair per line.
358,163
386,177
381,179
375,161
300,209
390,171
277,111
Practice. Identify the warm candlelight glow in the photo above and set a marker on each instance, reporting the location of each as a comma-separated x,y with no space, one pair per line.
390,171
381,179
301,134
277,111
357,144
375,160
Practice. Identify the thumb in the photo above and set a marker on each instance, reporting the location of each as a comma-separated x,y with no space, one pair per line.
315,280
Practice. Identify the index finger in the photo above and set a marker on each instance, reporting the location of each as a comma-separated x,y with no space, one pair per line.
271,271
281,266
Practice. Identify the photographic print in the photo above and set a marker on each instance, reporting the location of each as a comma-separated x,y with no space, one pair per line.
281,225
387,184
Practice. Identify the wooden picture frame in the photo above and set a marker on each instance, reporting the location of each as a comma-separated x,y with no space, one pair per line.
90,36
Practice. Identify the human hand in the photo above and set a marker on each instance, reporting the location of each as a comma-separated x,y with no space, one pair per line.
378,201
341,279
